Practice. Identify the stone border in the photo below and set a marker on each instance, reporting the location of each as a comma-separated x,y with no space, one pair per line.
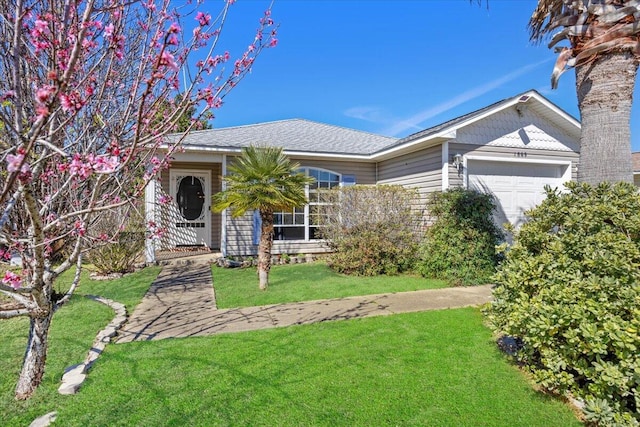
75,375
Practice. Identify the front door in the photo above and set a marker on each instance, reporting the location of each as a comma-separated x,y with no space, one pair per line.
191,219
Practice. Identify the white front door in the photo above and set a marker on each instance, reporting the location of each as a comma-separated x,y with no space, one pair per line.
190,211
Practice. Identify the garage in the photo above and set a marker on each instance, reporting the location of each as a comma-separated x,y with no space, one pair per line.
517,186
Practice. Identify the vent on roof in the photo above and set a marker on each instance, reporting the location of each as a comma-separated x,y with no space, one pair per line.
524,98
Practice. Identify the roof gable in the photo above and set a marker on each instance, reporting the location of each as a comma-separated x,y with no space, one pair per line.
449,129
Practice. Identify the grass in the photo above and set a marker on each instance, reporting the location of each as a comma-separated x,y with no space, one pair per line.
73,329
305,282
437,368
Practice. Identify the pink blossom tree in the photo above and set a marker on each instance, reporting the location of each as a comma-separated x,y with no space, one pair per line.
82,85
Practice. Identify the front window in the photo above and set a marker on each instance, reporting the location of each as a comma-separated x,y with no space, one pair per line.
303,223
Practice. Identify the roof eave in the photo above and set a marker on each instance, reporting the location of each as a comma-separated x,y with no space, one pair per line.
417,144
296,153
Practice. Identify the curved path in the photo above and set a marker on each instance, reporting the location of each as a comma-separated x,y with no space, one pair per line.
181,303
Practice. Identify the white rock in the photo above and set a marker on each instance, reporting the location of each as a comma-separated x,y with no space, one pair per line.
44,420
70,388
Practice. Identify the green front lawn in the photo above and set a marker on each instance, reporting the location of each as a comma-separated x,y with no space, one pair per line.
437,368
238,287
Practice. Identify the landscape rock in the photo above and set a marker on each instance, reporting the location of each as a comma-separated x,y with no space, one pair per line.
72,380
232,264
75,375
44,420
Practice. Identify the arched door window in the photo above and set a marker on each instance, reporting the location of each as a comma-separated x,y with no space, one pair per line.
190,197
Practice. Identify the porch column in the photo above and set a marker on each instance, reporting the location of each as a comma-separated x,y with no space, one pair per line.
150,216
445,166
223,219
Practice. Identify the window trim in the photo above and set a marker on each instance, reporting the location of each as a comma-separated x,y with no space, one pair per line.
307,192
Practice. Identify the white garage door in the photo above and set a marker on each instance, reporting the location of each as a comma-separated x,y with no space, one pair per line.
517,187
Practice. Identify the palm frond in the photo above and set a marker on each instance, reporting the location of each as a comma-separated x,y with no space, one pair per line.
592,27
264,179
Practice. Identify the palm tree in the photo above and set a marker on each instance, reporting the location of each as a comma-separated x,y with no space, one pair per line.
603,38
262,179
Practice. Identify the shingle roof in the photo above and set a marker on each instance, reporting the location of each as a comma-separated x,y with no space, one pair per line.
292,135
450,123
320,138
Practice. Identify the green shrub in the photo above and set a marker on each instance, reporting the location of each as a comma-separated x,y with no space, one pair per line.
119,240
120,256
374,249
371,230
569,291
460,245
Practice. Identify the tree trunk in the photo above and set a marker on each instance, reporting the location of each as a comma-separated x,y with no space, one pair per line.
605,94
35,355
264,249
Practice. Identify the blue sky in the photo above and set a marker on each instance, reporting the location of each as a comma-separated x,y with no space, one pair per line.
390,67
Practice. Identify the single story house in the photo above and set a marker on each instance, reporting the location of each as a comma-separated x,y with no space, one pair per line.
512,148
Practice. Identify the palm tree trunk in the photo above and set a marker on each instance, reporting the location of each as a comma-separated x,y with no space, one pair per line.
605,94
35,356
264,249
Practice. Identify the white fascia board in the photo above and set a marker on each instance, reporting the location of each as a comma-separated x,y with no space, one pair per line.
424,142
335,156
195,149
194,157
450,133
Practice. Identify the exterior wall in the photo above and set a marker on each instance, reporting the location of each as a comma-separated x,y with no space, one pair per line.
365,172
240,231
216,185
517,154
519,135
526,130
421,169
240,236
240,240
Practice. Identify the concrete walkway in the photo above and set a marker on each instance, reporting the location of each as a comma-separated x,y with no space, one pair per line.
181,303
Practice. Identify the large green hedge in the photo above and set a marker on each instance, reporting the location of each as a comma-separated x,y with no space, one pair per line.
569,291
460,245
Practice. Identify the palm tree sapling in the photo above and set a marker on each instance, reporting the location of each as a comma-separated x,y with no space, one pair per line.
262,179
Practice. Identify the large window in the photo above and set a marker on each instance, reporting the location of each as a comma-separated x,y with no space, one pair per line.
303,223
